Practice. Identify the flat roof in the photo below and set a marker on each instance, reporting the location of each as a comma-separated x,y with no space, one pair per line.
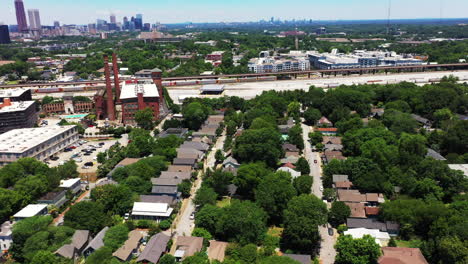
12,92
69,183
23,139
16,106
212,88
30,210
151,209
130,90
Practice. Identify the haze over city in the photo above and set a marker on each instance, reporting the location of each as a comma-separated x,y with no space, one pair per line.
179,11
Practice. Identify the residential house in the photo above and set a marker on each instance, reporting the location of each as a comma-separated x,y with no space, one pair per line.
130,247
381,238
357,210
293,173
6,237
179,168
343,185
400,255
165,190
372,211
303,259
377,112
329,131
175,175
460,167
434,154
289,159
196,145
153,251
57,198
216,250
151,211
390,227
350,196
187,246
170,200
323,121
79,241
328,156
96,243
166,181
31,210
339,178
185,162
73,185
190,153
231,165
287,147
123,163
284,129
426,123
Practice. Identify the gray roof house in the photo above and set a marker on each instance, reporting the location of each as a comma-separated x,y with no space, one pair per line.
166,181
195,145
170,200
181,161
79,240
434,154
179,132
164,190
54,198
392,228
231,162
154,249
96,243
340,178
303,259
175,175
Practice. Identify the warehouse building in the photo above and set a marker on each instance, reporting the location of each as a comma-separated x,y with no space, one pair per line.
39,143
14,115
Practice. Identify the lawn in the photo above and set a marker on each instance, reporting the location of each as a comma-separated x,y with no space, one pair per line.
275,231
414,243
224,202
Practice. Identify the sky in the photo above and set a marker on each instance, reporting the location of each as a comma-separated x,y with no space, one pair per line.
179,11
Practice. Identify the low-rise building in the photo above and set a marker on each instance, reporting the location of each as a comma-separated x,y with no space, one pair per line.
30,211
39,143
6,237
187,246
381,238
303,259
130,247
16,94
79,241
217,250
400,255
15,115
153,251
73,185
390,227
96,243
151,211
57,198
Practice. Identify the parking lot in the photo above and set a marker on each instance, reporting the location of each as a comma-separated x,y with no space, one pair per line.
78,153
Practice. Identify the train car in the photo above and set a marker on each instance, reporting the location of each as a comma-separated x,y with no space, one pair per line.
248,79
208,81
231,80
187,82
74,89
49,90
267,78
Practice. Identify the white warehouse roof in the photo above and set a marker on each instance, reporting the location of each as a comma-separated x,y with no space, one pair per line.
68,183
130,90
30,210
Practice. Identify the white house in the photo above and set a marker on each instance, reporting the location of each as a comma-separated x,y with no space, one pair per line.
31,210
381,238
74,185
6,238
151,211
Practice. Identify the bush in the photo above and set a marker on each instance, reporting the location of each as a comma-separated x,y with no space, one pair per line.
165,224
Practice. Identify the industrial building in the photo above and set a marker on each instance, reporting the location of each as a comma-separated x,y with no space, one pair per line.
132,95
14,115
289,62
39,143
16,95
360,59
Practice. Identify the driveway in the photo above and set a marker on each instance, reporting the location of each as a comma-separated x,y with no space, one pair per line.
327,251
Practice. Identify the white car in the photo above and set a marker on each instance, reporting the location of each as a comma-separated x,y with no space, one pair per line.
192,216
321,188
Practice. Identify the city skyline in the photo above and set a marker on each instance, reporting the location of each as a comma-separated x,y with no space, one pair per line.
178,11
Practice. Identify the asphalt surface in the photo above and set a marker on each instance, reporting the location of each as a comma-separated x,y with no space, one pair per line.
327,251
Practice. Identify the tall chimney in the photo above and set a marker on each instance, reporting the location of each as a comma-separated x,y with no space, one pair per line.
116,77
141,101
110,99
156,75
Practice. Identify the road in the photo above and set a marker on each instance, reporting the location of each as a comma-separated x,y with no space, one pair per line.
184,225
327,251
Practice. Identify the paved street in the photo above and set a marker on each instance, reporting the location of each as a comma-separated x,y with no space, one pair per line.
184,226
327,251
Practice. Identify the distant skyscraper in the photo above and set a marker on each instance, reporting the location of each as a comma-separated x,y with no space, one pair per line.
139,22
4,34
56,24
21,16
125,25
112,19
34,19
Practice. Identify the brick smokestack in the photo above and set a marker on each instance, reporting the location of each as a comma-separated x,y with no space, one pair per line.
156,75
116,77
110,99
141,101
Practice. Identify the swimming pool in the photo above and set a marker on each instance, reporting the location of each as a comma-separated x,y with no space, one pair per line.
74,116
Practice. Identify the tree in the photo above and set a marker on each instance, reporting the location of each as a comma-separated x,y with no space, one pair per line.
243,222
219,156
303,184
357,251
194,115
198,258
201,232
207,217
114,198
248,177
294,109
295,136
329,194
303,166
24,229
302,217
101,256
441,116
44,257
278,260
205,195
315,138
349,124
219,181
338,214
86,216
137,184
453,250
273,194
145,118
115,236
312,115
259,145
184,188
167,259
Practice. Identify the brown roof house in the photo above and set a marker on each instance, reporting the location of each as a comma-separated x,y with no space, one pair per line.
187,246
216,250
96,243
303,259
79,241
323,121
154,249
130,247
179,168
397,255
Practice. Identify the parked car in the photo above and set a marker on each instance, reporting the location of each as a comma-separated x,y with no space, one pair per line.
101,144
330,231
321,188
315,161
89,164
54,158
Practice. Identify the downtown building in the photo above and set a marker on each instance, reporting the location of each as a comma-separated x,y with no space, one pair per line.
39,143
4,35
17,109
21,16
